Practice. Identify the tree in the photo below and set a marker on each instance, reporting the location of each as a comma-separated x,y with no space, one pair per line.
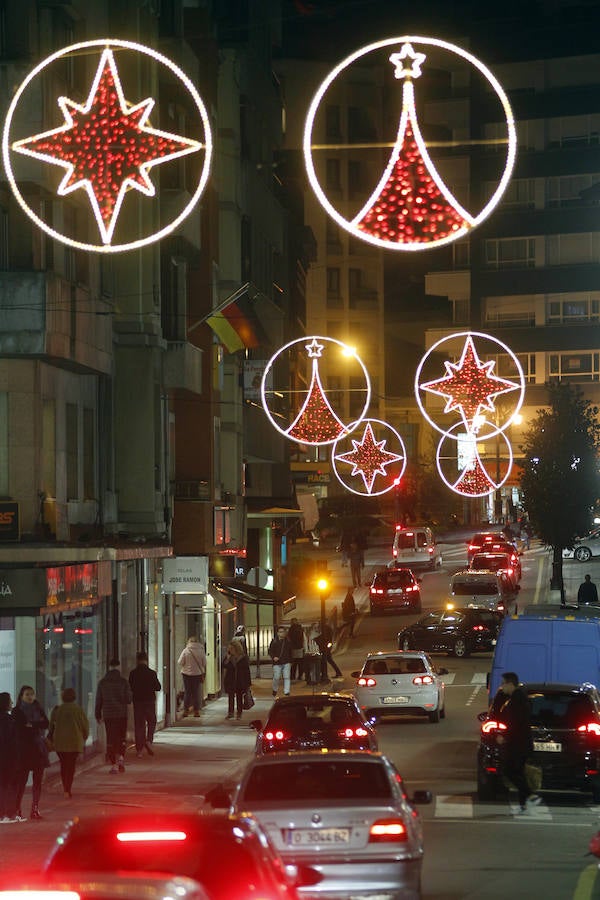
560,479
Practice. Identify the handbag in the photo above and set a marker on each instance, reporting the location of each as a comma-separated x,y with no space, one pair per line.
247,699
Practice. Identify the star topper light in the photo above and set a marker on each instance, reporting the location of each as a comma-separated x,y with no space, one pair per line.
416,61
106,145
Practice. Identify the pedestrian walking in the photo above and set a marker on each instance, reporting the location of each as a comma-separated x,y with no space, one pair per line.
356,562
192,664
324,642
240,635
69,730
344,547
8,762
236,677
144,683
280,651
32,754
113,696
516,742
296,639
349,612
587,595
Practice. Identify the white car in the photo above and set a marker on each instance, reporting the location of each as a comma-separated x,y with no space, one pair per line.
400,682
584,548
345,814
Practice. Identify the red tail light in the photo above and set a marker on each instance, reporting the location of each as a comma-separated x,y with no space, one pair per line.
365,681
479,628
387,831
353,732
423,679
277,735
411,587
376,590
151,836
491,725
590,728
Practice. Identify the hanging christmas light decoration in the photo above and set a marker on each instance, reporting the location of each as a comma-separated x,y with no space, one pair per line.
314,421
470,390
373,466
106,146
411,208
477,477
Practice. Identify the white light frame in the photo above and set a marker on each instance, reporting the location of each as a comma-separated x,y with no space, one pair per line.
348,352
348,225
368,493
106,247
452,485
494,429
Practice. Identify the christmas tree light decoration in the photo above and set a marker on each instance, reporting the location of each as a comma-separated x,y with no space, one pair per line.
106,146
474,478
314,421
411,208
470,386
411,202
369,458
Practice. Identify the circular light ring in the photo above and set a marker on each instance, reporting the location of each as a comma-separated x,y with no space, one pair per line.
363,51
493,428
348,351
453,485
397,474
109,43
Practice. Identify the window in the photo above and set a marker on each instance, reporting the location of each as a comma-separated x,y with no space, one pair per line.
577,308
72,448
48,483
577,367
572,249
333,128
569,190
461,254
360,124
222,526
174,308
573,131
332,174
520,192
517,253
505,367
355,178
333,282
332,237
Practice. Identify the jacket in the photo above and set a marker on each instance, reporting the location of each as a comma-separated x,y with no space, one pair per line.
236,675
281,649
192,659
32,752
296,636
112,697
8,746
69,727
516,716
144,683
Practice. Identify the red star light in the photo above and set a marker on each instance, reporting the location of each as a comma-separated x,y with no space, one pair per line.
368,458
106,146
470,386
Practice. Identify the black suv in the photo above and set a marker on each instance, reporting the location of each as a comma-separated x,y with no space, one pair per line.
565,726
395,590
459,632
314,722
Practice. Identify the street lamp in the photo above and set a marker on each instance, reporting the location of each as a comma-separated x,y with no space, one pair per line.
324,589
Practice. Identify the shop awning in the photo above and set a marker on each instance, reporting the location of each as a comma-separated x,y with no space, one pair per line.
272,508
247,593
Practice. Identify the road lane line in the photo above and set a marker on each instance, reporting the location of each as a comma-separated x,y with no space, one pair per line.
473,696
538,584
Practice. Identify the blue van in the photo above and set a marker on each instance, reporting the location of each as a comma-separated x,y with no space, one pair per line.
549,644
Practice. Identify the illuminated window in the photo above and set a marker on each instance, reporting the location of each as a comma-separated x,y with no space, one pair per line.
222,526
576,308
582,367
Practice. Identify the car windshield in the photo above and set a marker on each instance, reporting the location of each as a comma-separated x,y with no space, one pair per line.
561,710
410,666
468,588
317,780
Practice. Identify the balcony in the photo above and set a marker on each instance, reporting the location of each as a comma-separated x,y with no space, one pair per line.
183,367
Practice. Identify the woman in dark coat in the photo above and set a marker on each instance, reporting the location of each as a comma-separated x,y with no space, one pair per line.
32,754
236,677
8,760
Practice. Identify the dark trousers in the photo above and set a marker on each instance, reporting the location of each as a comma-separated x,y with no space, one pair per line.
68,759
514,769
235,700
8,795
144,722
297,669
116,732
328,658
355,570
36,787
191,692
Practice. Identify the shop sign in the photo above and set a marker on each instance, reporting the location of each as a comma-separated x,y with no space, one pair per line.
9,521
185,575
71,586
22,588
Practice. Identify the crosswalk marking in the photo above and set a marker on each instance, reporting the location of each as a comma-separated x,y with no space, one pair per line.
454,807
477,678
467,807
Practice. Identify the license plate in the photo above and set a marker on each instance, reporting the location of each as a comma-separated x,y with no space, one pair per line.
547,746
311,837
395,699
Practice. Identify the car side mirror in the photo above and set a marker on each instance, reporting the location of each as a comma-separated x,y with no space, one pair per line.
218,797
421,798
355,674
256,724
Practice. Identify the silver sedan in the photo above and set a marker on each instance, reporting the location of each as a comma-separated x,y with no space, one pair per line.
344,814
584,548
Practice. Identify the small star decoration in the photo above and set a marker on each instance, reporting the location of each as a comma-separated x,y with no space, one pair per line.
314,349
368,458
106,146
416,59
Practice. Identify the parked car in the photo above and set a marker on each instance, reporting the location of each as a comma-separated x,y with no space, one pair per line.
313,721
346,815
505,561
565,725
584,548
483,590
101,886
400,683
488,541
459,632
415,546
395,590
230,856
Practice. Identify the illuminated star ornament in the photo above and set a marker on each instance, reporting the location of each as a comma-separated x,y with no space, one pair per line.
470,386
106,146
369,457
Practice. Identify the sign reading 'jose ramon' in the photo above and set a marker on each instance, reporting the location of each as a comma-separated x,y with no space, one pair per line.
185,575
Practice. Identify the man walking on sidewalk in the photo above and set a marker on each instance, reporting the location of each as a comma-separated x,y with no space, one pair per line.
280,652
144,683
112,699
324,642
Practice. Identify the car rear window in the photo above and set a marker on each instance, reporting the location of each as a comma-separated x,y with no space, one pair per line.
405,540
490,561
468,588
394,579
317,780
564,710
394,667
322,714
